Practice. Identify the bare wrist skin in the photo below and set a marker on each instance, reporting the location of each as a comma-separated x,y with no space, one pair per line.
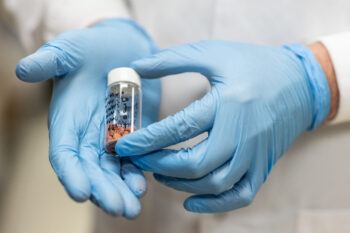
323,57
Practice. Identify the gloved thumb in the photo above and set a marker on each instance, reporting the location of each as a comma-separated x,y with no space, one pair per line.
47,62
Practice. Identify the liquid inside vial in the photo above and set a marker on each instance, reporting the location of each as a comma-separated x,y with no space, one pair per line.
122,112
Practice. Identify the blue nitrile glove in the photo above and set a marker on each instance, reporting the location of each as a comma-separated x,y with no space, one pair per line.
80,61
262,98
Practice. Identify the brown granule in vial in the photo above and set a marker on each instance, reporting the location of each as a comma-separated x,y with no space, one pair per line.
114,132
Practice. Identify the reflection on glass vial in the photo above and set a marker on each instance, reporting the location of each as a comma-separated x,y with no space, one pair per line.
123,105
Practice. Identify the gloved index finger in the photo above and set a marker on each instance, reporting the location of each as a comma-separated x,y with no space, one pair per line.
195,119
179,59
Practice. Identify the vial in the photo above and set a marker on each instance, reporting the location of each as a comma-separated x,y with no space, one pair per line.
123,105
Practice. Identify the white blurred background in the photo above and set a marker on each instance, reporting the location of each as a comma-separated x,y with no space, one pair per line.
31,198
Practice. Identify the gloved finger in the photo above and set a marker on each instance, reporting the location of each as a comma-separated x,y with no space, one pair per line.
93,157
102,189
205,157
222,178
69,171
241,195
110,163
132,205
134,178
47,62
185,163
63,156
176,163
195,119
112,169
215,182
179,59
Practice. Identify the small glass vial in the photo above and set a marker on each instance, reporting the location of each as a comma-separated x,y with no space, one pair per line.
123,105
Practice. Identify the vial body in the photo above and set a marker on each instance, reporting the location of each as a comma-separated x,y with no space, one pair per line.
123,112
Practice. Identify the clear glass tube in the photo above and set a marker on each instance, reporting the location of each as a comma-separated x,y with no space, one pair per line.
123,112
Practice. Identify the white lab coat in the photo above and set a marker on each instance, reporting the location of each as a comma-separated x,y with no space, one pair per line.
308,190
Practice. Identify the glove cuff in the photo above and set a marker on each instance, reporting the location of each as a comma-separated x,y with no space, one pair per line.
317,82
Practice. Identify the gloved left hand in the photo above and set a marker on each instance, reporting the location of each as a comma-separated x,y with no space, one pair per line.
262,99
79,61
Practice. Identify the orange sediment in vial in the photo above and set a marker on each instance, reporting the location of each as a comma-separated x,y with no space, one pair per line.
114,132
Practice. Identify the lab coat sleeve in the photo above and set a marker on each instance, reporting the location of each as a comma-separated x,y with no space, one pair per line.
338,46
36,21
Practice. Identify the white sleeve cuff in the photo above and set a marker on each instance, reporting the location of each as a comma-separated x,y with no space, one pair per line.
62,15
338,47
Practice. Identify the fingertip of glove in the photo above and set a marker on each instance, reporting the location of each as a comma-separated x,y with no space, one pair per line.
139,189
137,185
192,206
143,66
134,179
78,195
109,211
73,179
122,148
113,212
132,144
26,70
33,68
112,206
133,213
22,70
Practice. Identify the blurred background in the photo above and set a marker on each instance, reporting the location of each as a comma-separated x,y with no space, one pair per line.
31,198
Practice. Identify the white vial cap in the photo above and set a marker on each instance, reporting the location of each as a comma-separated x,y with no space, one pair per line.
123,74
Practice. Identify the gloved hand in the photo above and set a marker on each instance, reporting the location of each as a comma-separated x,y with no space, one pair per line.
80,60
262,98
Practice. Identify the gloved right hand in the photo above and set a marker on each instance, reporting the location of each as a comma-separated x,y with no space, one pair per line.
262,99
79,61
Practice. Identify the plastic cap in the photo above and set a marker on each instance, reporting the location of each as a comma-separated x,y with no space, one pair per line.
123,74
